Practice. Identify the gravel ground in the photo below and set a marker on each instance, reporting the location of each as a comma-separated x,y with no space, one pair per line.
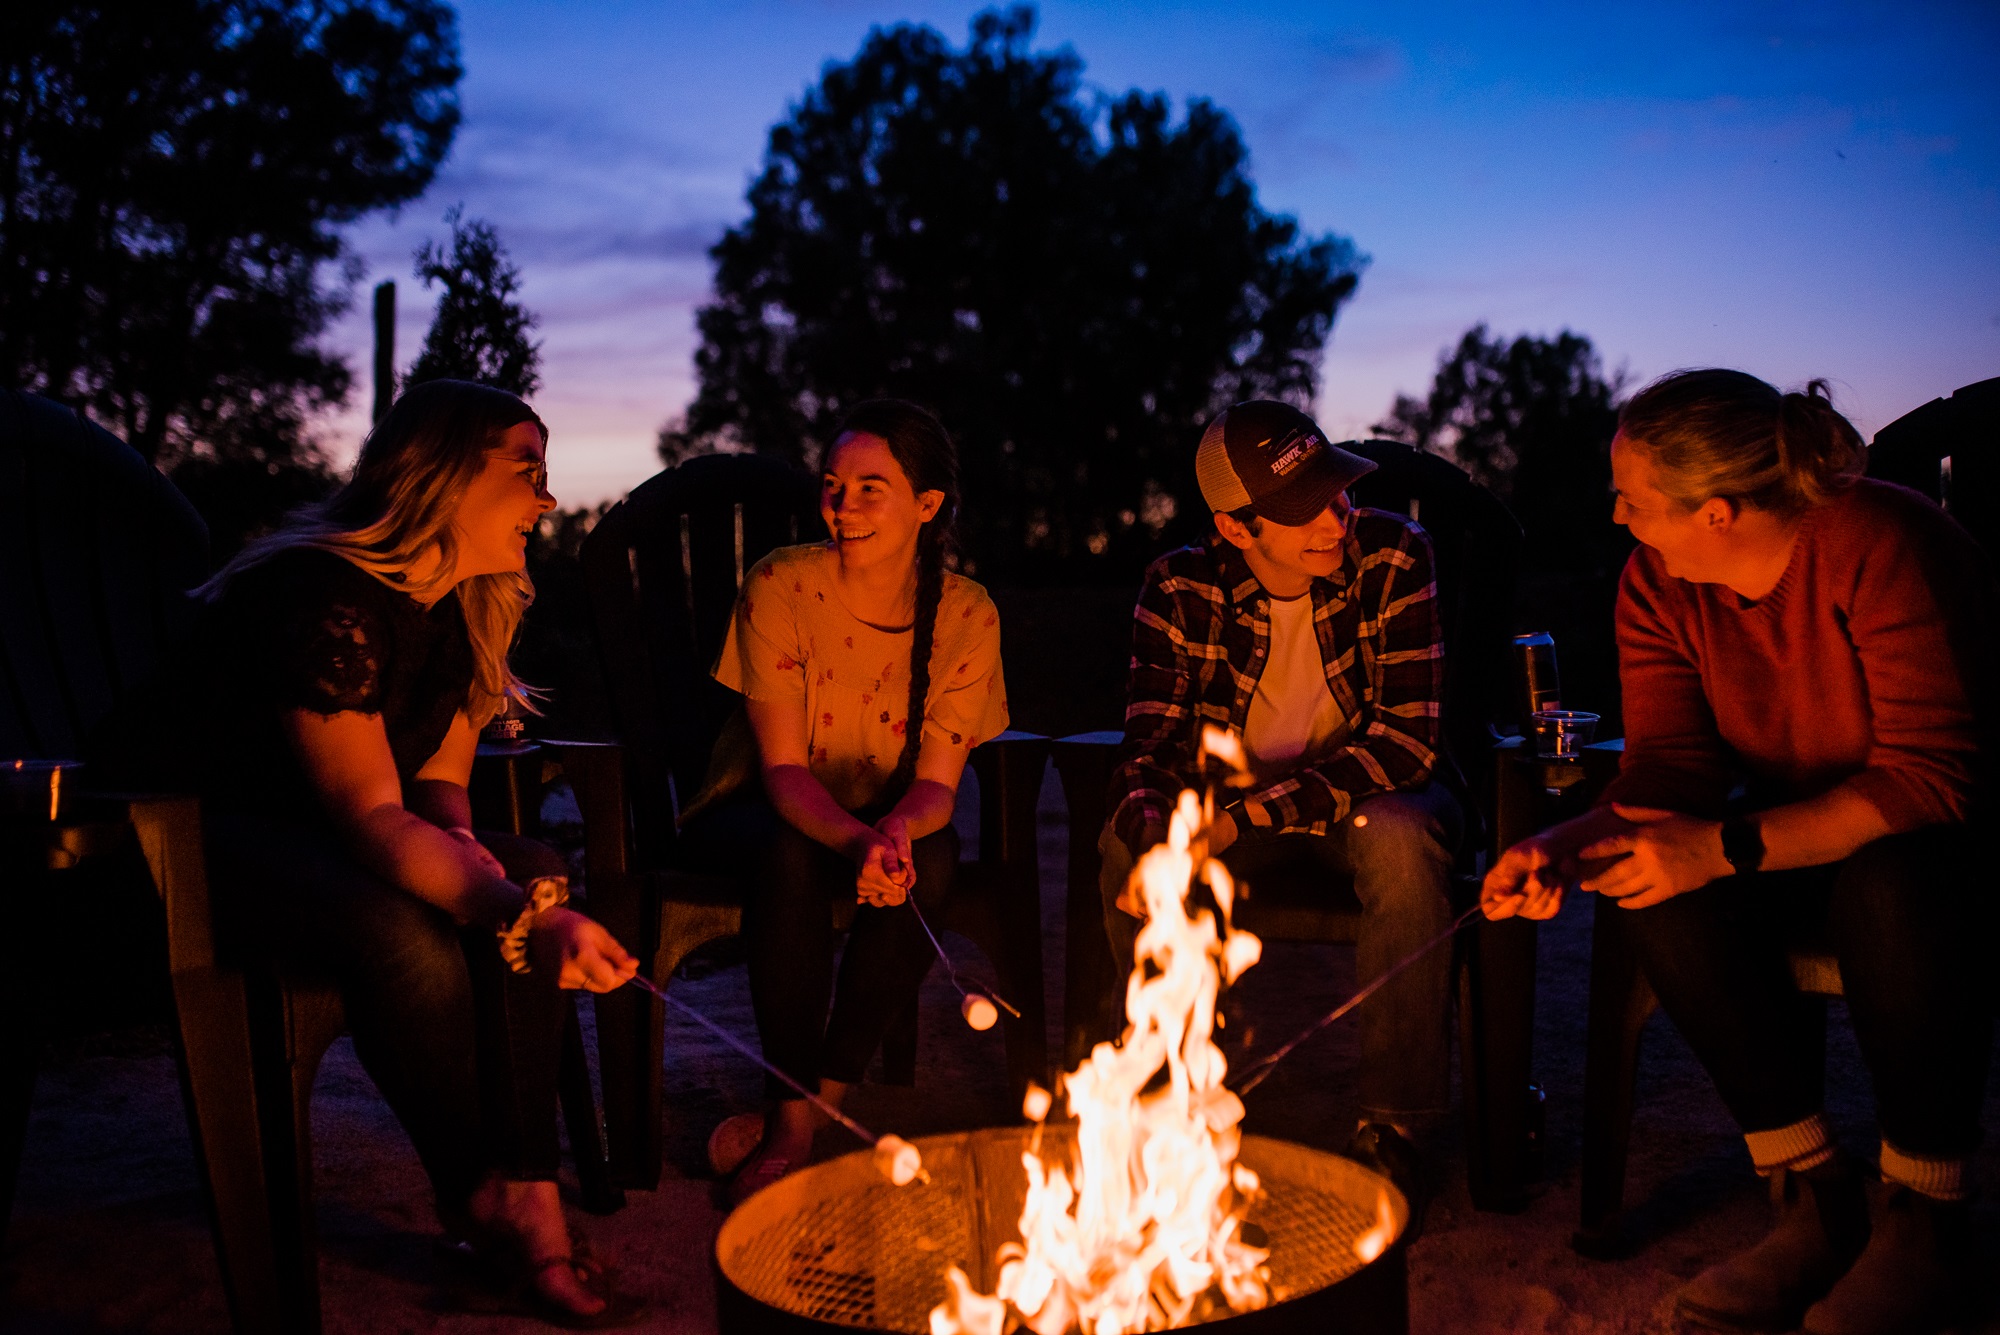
109,1233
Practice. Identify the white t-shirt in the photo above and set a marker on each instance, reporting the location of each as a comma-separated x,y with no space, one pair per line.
1292,714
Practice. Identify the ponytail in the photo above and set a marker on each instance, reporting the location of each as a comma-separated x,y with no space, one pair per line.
1725,433
1819,451
923,450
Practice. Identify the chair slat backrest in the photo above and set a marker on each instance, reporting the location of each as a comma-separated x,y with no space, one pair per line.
662,569
1476,543
97,551
1949,449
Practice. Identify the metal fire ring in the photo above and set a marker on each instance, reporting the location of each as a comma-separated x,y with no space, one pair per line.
836,1247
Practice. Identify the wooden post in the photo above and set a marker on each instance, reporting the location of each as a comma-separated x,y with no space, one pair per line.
385,347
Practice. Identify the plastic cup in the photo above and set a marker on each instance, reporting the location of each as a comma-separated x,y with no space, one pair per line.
1561,734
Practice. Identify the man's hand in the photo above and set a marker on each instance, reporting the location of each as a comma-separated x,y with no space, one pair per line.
587,956
1527,880
1663,855
1221,834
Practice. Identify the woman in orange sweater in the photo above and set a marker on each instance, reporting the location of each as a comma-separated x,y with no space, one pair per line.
1799,649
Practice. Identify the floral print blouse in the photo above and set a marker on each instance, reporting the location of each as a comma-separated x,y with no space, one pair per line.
792,639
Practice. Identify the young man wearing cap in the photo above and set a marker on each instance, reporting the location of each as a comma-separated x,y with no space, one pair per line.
1311,628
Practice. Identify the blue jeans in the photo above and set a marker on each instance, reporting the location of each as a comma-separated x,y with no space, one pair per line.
1397,861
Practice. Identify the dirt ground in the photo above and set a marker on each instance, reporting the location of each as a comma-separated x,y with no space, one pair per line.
109,1233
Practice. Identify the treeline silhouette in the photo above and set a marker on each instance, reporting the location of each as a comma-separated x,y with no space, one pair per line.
1074,279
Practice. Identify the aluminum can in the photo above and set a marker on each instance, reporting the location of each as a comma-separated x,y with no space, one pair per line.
1538,686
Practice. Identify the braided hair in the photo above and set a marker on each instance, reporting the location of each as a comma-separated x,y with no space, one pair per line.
923,450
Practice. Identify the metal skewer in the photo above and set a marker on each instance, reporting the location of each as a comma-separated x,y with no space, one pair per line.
979,988
645,984
1253,1074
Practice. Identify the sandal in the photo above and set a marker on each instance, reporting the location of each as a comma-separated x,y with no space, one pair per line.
734,1140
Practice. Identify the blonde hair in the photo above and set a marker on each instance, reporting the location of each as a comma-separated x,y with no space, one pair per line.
396,511
1726,433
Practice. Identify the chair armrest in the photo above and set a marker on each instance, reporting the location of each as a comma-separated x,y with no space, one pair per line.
170,834
1010,785
1084,761
1531,794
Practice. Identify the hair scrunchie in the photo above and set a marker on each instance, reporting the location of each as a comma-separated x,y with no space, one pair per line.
544,892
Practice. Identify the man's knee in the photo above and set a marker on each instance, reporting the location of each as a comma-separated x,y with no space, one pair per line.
1402,832
1114,870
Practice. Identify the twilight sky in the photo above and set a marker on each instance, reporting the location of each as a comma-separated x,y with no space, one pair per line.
1799,190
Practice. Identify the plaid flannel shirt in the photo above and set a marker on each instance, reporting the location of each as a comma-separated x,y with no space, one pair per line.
1202,632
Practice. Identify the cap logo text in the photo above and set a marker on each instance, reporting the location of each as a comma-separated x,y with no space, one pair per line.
1295,451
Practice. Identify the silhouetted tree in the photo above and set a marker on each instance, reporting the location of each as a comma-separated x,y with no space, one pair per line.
1073,282
173,176
480,332
1532,418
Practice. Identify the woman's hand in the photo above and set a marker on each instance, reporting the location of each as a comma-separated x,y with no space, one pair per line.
588,956
1664,854
886,872
1528,879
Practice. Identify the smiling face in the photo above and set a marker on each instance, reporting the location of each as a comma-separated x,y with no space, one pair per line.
1287,558
872,512
1688,540
506,499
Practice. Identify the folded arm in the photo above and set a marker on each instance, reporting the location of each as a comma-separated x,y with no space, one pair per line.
350,767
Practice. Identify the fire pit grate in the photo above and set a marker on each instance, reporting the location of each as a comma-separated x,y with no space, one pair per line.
836,1247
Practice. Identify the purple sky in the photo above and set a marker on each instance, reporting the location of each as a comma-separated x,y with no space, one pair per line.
1798,190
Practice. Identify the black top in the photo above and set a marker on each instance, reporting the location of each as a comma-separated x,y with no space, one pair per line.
310,630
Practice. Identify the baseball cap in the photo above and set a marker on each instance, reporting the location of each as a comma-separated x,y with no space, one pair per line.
1274,459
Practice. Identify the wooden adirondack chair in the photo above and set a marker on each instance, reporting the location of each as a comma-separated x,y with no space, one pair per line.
663,568
95,558
95,549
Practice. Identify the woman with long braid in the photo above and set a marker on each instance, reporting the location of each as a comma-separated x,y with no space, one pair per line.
869,673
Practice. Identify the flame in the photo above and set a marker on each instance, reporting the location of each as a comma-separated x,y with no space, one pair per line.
1377,1239
1142,1231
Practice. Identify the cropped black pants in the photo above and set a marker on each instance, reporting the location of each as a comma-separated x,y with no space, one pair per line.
465,1051
1906,918
791,884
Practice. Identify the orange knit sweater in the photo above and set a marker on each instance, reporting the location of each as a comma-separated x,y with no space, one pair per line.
1868,667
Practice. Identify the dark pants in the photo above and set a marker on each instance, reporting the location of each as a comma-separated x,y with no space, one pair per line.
1904,917
464,1050
790,885
1399,865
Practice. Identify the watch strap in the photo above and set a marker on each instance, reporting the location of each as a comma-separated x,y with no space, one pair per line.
1743,844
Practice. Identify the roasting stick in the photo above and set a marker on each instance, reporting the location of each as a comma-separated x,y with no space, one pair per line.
895,1158
1257,1070
977,989
646,984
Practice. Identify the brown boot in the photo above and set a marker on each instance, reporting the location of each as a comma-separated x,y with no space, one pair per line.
1822,1225
1914,1278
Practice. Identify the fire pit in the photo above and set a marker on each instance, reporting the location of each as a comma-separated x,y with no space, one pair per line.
837,1248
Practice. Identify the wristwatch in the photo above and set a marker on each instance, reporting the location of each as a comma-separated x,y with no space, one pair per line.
1743,844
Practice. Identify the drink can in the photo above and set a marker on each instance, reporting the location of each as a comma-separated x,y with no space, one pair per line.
1538,684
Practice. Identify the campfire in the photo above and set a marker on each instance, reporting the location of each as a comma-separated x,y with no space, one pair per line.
1149,1211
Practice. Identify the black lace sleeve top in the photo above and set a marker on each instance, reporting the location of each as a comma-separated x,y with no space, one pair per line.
311,630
